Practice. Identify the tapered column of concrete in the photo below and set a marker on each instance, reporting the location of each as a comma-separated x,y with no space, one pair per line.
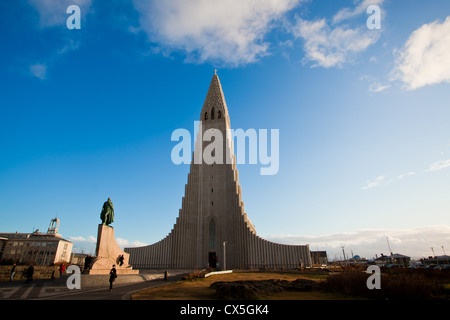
213,193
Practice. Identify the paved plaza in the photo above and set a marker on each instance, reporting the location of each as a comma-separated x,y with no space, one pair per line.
92,287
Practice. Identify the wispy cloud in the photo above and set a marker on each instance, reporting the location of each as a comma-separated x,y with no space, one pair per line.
226,32
425,59
348,13
90,239
414,242
439,165
333,45
53,13
123,243
374,84
378,181
87,244
382,180
39,70
409,174
378,87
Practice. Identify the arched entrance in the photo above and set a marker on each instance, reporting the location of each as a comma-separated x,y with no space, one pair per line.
212,259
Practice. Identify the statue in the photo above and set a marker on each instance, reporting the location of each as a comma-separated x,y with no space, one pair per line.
107,214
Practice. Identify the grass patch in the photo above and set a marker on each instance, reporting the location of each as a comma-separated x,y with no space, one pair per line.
348,285
395,285
198,288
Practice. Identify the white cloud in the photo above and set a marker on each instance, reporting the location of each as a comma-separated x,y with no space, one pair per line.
85,245
414,242
227,32
39,70
348,13
409,174
378,181
439,165
378,87
90,239
332,46
381,180
123,243
374,84
425,57
88,244
53,13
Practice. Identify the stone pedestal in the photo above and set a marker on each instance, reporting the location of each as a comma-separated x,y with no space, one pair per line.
108,253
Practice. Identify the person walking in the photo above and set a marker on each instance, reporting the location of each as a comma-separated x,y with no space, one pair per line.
13,272
62,268
30,272
112,276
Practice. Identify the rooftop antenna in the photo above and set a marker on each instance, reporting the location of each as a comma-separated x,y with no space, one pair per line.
437,260
432,249
387,239
343,252
443,250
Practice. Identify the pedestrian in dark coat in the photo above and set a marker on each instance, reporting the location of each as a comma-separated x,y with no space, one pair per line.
112,276
30,272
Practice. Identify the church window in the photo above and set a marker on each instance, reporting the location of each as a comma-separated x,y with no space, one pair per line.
219,115
206,115
212,234
212,113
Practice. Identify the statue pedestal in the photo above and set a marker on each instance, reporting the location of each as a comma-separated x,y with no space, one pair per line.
108,253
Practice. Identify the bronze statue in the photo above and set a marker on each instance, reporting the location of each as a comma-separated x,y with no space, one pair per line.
107,214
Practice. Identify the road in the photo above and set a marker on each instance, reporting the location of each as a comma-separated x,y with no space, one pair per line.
44,289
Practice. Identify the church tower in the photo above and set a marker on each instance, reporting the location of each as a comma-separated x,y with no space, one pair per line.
212,227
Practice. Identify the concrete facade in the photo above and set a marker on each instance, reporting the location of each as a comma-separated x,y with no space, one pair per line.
212,227
36,248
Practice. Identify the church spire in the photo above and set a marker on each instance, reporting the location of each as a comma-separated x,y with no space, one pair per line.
215,107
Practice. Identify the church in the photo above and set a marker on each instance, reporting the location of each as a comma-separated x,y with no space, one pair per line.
212,228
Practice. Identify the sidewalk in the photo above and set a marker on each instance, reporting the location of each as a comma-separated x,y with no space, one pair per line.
47,288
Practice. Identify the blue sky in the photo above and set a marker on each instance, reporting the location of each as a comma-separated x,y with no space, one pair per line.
363,116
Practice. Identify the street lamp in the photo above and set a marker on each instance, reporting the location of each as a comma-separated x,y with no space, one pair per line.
224,256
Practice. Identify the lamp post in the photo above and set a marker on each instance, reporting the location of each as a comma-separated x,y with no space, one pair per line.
224,256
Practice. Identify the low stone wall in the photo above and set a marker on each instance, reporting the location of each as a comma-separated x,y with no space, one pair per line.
40,272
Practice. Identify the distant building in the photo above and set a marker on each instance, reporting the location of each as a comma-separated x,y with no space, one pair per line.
36,248
395,259
357,260
319,258
437,260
